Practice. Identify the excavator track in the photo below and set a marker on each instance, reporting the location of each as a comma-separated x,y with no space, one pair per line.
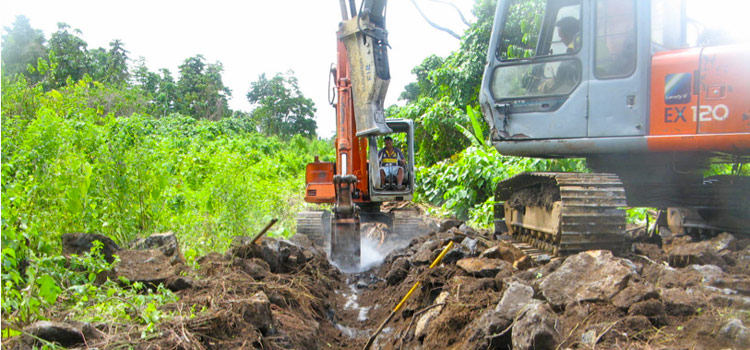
565,213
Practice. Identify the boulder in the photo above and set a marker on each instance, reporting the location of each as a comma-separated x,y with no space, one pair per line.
266,249
480,267
700,253
491,253
668,277
515,298
650,250
471,245
536,328
80,243
256,268
257,312
448,224
589,276
148,266
429,315
494,329
736,332
426,253
399,270
653,309
733,301
523,263
178,283
678,302
165,242
57,332
632,294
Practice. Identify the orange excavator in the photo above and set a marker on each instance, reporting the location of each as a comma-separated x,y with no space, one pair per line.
637,88
352,183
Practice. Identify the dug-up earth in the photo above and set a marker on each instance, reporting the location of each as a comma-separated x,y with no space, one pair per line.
486,293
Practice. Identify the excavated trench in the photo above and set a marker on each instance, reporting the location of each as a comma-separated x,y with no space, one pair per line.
485,294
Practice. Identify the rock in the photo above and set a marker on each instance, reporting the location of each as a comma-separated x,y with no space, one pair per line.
291,256
678,302
491,253
588,337
653,309
536,328
523,263
455,254
509,252
733,301
149,266
257,312
589,276
632,294
165,242
449,224
701,253
479,267
491,324
80,243
57,332
736,332
724,242
668,277
515,297
542,259
636,325
178,283
429,315
266,249
256,268
650,250
471,246
426,253
399,270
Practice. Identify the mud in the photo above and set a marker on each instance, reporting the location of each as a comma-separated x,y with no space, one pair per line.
544,196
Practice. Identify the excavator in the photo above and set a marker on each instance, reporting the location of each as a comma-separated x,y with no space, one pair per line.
636,88
353,182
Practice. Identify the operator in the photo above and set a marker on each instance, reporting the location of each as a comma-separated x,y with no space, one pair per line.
567,74
391,163
567,30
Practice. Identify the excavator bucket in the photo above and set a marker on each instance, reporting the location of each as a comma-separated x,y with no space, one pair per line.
366,44
345,238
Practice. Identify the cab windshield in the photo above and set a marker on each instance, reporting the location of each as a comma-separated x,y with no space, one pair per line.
538,41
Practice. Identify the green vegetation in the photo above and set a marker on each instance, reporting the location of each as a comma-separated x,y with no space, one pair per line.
91,146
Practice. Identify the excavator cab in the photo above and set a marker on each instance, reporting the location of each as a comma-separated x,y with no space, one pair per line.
403,138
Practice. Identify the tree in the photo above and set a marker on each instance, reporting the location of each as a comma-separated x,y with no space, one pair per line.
280,108
72,56
437,100
22,46
201,92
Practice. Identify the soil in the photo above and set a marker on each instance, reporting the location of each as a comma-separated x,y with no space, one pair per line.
282,295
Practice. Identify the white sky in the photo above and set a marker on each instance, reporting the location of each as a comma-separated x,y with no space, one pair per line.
252,37
248,37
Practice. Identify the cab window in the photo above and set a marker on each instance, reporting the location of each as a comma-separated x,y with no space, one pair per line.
615,53
538,45
540,28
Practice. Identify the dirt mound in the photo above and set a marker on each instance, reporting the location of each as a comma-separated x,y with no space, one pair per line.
485,294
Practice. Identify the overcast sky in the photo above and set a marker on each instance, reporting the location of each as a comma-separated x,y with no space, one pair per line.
248,37
252,37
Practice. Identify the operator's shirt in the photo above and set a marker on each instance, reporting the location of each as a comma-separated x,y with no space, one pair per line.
390,158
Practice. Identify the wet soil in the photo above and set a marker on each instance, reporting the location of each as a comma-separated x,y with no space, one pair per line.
283,295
